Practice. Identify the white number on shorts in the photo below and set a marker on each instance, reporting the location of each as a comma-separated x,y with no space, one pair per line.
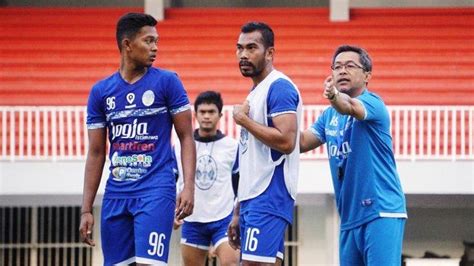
251,242
156,241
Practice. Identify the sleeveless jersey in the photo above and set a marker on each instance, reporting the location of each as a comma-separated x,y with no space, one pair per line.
215,164
263,171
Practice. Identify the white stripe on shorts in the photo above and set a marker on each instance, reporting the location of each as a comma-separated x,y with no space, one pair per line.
280,255
183,242
127,261
151,261
258,258
393,215
222,240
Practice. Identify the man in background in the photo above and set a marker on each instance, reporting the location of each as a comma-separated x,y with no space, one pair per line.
216,172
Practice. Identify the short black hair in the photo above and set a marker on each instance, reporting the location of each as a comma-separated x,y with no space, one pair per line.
209,97
267,33
130,24
363,55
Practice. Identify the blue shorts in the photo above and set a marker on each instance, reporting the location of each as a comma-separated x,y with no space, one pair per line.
137,230
378,242
201,235
262,237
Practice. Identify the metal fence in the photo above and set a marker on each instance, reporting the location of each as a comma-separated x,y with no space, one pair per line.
59,132
49,236
40,236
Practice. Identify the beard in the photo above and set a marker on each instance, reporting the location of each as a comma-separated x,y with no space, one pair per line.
252,72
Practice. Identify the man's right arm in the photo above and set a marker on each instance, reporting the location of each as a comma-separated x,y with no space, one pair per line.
308,141
93,173
233,230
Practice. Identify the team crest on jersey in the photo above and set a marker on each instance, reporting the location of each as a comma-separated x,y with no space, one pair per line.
148,98
206,172
244,138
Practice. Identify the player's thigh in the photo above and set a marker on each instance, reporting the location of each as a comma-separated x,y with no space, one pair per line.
196,235
262,237
383,241
350,253
227,255
218,230
153,225
193,256
117,236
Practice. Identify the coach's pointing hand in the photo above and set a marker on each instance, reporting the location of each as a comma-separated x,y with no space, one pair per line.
330,91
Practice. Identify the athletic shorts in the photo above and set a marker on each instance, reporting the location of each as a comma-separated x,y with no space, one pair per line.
262,237
137,230
378,242
201,235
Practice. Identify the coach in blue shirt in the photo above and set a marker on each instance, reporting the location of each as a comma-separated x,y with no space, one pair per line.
356,130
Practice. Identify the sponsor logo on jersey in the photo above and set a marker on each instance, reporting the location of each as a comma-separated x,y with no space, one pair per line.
128,173
331,132
334,121
135,160
130,131
130,98
133,146
343,152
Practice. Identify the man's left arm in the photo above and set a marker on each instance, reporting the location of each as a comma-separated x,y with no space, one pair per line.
343,103
183,125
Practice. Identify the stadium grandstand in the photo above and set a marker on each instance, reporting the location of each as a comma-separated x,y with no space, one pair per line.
52,52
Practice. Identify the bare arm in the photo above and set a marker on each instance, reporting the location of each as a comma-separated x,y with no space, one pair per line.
343,103
281,137
93,173
233,230
308,141
183,126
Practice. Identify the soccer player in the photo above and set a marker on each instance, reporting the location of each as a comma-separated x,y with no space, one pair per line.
268,151
137,106
356,130
216,170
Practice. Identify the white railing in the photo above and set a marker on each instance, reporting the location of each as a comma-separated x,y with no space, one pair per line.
59,132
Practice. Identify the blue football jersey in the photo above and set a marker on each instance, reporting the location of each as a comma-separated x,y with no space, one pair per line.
138,118
282,98
364,174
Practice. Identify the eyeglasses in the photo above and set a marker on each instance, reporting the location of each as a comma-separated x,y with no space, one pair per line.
349,66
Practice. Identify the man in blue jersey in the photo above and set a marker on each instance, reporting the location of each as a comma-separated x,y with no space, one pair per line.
216,173
137,106
356,130
268,151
